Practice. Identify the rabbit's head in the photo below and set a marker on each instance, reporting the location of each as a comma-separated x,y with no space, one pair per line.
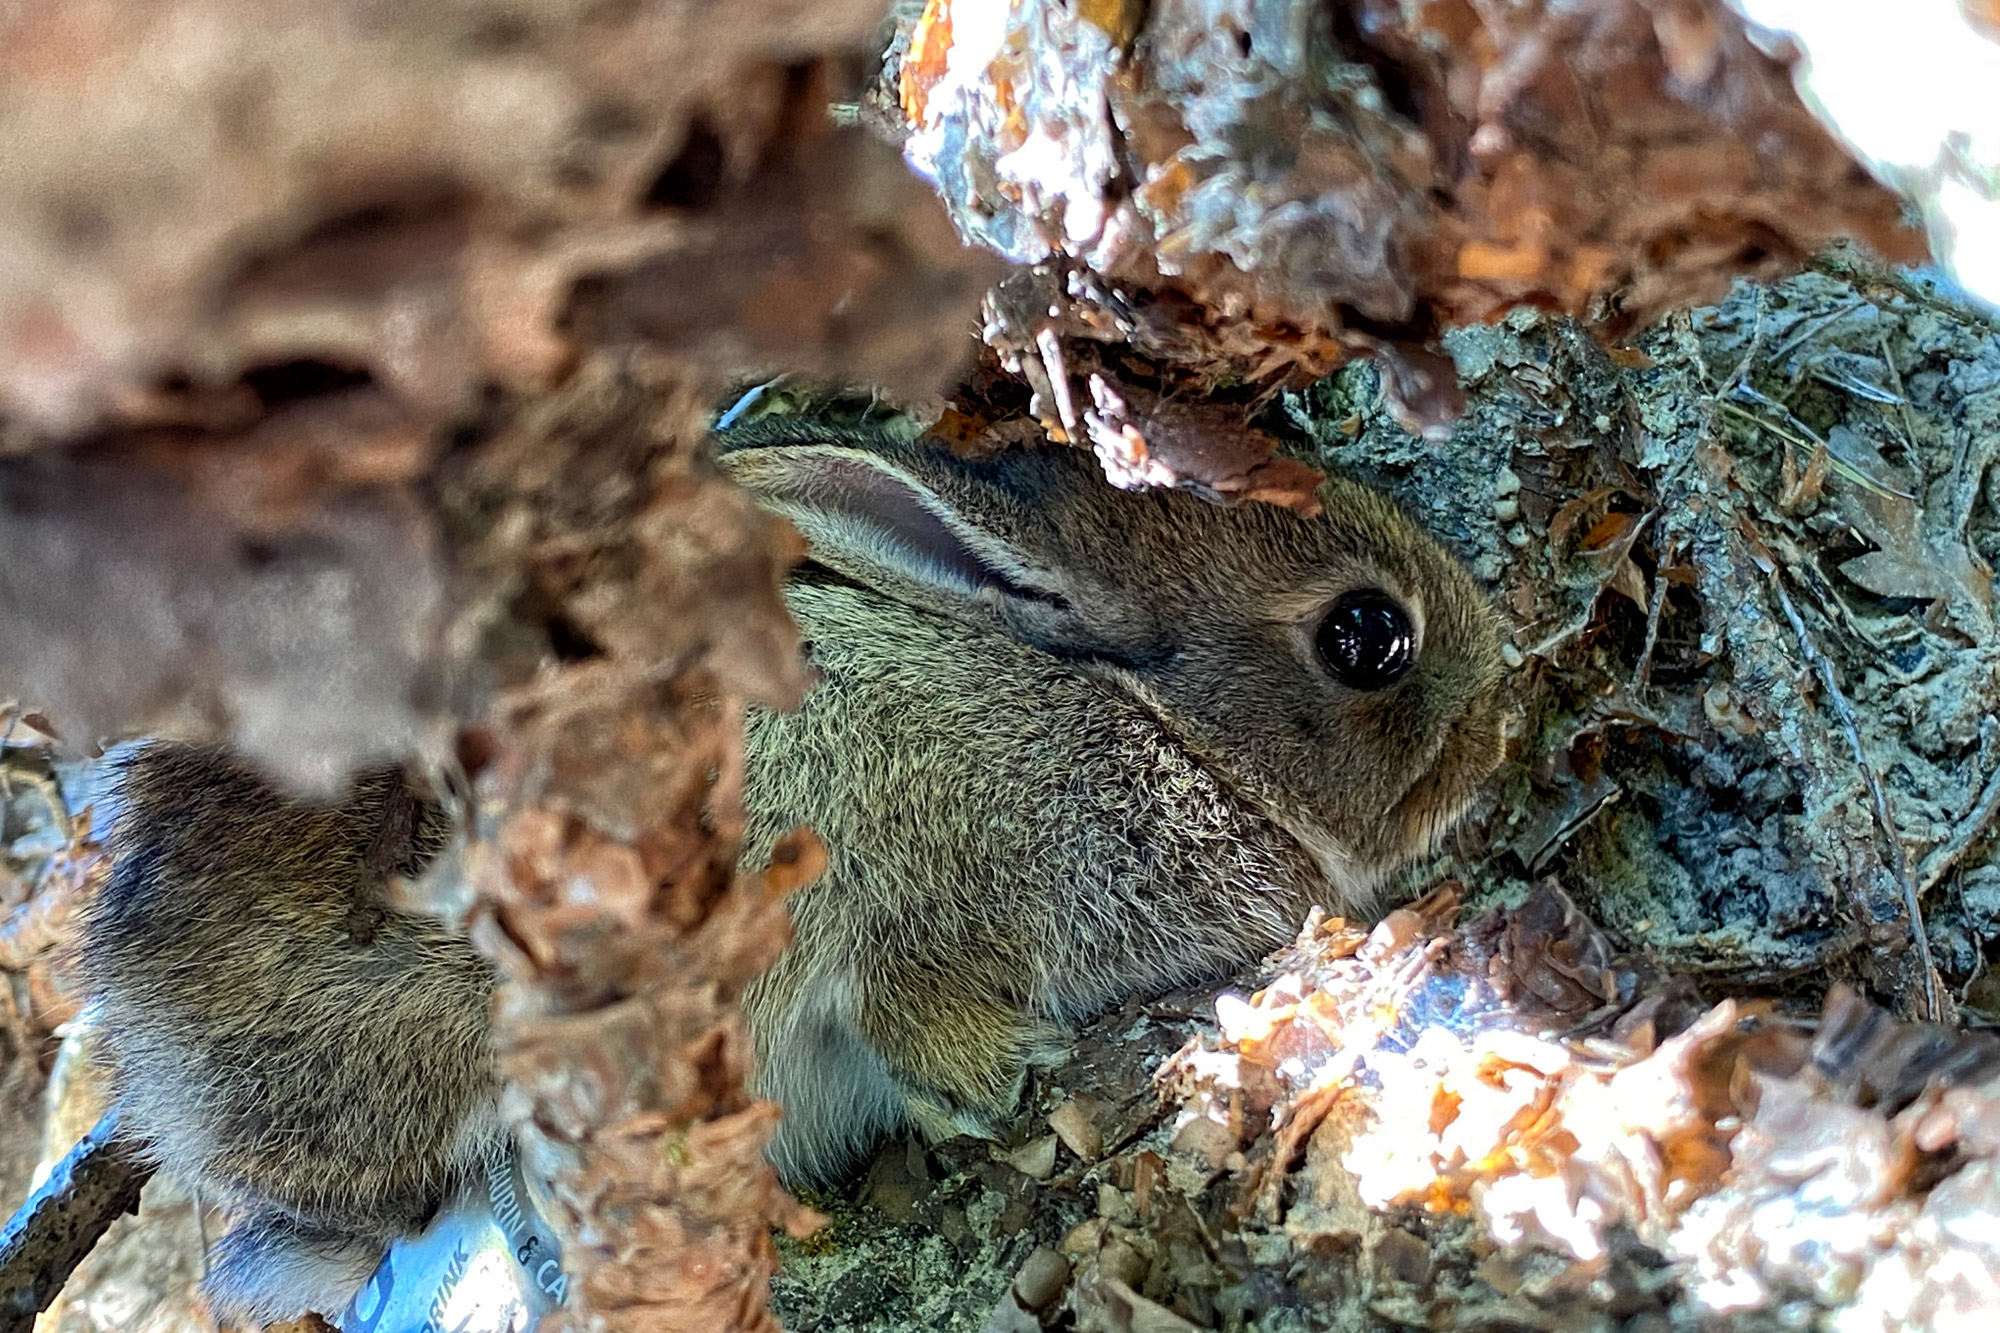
1340,671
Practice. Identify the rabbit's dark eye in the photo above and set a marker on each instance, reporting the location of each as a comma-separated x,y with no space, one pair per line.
1366,640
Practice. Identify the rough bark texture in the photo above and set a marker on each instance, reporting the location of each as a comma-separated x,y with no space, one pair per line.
268,266
97,1182
1241,190
204,188
355,361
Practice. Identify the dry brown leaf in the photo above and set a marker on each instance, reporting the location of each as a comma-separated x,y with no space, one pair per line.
1607,532
1576,511
1629,582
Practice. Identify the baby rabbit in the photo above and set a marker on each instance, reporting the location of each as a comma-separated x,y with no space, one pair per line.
1069,745
279,1038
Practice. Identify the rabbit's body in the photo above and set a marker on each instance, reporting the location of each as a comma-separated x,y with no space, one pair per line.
1011,844
280,1039
1069,745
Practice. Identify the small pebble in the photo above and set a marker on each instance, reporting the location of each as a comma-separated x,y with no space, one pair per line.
1399,1255
1041,1280
1206,1139
1121,1262
1083,1238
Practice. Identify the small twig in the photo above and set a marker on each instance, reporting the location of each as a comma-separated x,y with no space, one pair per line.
1642,676
1860,273
93,1186
1969,830
1853,385
1050,348
1749,353
1802,435
1898,862
1813,326
1902,393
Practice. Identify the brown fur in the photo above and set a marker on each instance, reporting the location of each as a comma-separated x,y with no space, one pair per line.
278,1038
1109,764
1069,745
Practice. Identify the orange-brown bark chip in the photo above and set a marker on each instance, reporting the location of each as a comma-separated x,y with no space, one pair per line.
626,1061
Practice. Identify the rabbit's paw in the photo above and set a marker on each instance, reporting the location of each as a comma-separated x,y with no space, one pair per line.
961,1064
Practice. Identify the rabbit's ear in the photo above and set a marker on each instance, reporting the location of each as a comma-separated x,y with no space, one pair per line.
867,516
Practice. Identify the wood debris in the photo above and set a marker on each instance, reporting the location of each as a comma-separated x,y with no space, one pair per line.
1239,192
